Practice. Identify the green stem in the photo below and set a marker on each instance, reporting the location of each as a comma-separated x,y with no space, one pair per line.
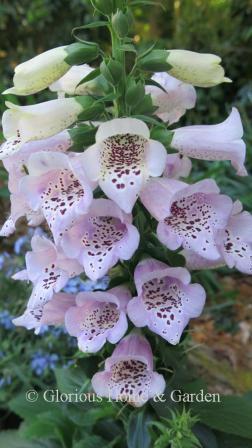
119,56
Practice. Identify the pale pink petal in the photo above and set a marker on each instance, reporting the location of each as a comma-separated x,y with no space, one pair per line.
54,311
155,158
21,275
158,194
100,383
214,142
94,321
177,166
157,386
144,268
8,227
133,346
90,160
236,242
129,244
122,126
196,213
123,295
137,313
195,262
99,239
97,296
93,345
173,103
119,329
167,302
128,374
73,320
122,160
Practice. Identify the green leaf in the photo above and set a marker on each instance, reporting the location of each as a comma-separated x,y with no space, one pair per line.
147,3
91,25
12,439
137,430
82,137
70,380
231,415
146,52
26,409
90,441
52,424
205,436
92,75
151,82
146,119
128,48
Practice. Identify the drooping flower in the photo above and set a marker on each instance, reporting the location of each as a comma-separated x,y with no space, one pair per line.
52,313
17,169
234,244
24,123
235,241
198,69
166,300
123,158
48,269
101,238
128,374
56,185
20,208
188,215
214,142
38,73
177,98
98,317
15,165
69,83
177,166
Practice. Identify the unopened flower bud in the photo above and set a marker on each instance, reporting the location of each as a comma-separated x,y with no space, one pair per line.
120,24
39,72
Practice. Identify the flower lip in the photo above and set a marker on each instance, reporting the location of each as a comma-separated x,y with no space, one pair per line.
120,126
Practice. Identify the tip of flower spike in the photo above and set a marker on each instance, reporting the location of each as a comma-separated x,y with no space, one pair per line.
227,79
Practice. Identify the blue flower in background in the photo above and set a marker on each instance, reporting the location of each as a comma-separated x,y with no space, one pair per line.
6,320
41,362
5,381
75,285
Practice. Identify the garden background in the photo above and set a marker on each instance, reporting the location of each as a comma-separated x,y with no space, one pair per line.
219,348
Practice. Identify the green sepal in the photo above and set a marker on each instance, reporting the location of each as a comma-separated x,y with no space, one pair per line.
92,108
79,53
112,71
144,107
135,92
82,136
120,24
155,61
106,7
163,135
